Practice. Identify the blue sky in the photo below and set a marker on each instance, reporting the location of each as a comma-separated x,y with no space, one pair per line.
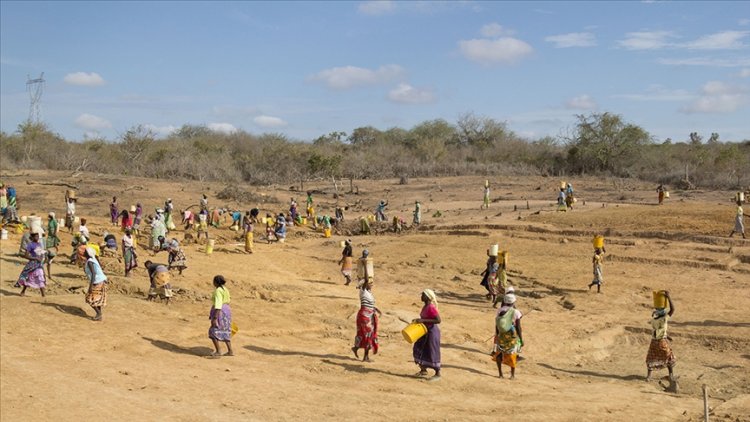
305,69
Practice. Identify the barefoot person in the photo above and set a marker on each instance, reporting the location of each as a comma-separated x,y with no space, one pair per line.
660,351
96,296
32,274
508,336
597,263
129,256
426,350
739,225
367,323
221,317
346,262
158,275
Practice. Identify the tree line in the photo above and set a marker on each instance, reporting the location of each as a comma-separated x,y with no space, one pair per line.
598,144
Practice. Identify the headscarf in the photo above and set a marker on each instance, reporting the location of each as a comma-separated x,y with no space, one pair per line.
365,253
431,296
52,214
509,299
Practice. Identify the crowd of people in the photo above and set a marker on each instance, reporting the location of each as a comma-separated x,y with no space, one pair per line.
508,334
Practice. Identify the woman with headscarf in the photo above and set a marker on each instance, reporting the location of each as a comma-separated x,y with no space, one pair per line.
158,275
32,274
426,350
126,222
129,256
364,271
561,200
508,335
293,209
739,225
114,212
221,317
660,350
158,229
138,217
569,199
367,323
346,262
176,257
96,296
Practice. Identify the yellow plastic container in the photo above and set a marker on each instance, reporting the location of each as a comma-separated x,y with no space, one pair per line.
666,194
562,184
371,217
210,246
414,332
506,256
95,247
326,233
598,241
660,299
304,221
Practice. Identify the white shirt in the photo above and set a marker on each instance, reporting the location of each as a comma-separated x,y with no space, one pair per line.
84,231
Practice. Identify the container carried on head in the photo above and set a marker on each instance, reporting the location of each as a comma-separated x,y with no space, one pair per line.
414,332
562,184
598,242
35,224
741,196
506,256
660,298
366,269
70,194
494,249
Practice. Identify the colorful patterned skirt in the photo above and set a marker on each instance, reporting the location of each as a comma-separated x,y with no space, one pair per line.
130,258
660,354
367,329
426,350
507,345
97,295
223,329
32,275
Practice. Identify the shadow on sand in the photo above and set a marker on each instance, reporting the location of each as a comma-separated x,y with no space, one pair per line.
273,352
595,374
710,323
174,348
66,309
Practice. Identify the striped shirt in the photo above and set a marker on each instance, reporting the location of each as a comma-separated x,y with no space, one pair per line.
366,299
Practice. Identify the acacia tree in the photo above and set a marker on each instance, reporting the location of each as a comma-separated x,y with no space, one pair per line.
604,142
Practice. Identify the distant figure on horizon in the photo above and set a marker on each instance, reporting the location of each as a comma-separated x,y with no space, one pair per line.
739,224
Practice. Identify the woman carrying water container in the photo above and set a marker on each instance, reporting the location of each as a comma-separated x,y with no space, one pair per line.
596,260
508,335
660,350
367,323
739,225
426,350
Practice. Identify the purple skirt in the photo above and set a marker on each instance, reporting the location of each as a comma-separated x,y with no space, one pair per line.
426,350
223,329
32,275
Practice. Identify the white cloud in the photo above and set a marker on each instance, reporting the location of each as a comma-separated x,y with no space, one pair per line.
726,40
745,73
83,79
573,39
347,77
581,102
376,8
659,93
719,98
706,61
227,128
161,130
504,50
407,94
90,122
647,40
744,22
494,29
269,121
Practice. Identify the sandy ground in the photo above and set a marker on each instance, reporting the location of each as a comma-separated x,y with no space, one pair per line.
584,353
